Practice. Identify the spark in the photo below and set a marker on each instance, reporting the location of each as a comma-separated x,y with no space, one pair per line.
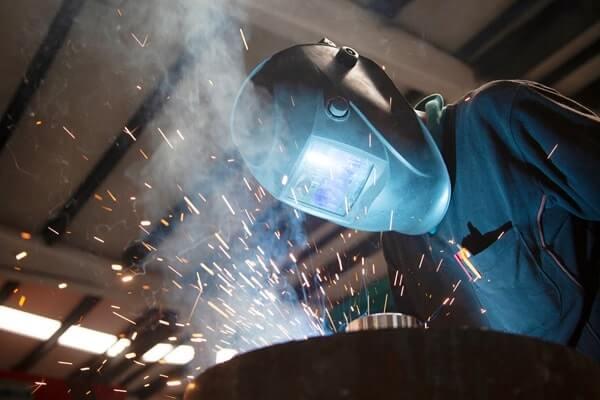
112,196
339,261
62,285
191,205
22,301
120,390
247,184
124,318
222,241
552,151
144,154
456,286
330,320
217,309
69,132
227,203
130,133
142,44
98,239
175,271
244,39
210,271
165,137
439,265
145,223
25,235
421,261
116,267
65,362
21,255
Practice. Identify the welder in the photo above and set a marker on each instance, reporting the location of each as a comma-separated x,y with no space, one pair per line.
502,186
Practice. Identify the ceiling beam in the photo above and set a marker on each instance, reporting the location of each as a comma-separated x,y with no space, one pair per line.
7,290
135,253
82,270
508,20
74,317
409,60
38,67
149,108
534,41
387,8
589,96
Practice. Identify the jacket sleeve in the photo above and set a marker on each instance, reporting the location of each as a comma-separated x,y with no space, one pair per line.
559,139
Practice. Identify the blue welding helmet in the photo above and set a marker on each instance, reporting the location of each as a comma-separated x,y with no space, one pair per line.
326,131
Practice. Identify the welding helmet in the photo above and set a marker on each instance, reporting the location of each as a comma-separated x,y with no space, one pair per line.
325,130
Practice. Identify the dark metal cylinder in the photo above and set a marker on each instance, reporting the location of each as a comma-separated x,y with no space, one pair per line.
404,364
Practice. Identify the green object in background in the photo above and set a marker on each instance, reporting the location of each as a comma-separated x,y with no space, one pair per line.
380,299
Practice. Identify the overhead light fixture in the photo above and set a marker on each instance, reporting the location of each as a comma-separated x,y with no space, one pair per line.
90,340
225,355
27,324
157,352
118,347
116,267
182,354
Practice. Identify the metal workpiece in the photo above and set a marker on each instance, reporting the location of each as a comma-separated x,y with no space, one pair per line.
404,363
384,321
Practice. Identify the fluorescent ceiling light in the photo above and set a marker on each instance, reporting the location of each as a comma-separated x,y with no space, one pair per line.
158,351
118,347
181,355
225,355
90,340
27,324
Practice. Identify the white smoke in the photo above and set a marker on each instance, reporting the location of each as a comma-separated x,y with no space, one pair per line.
224,266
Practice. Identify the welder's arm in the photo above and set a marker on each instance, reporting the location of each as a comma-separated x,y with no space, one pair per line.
561,140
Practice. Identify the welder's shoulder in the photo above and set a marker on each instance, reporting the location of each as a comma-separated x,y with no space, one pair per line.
491,103
497,94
